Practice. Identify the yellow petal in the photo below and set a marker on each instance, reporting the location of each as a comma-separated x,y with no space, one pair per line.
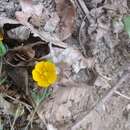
51,72
36,75
52,78
40,66
43,83
44,73
1,36
50,67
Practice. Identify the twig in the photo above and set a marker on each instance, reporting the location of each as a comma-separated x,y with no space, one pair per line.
79,37
9,120
23,103
15,117
82,6
103,99
122,95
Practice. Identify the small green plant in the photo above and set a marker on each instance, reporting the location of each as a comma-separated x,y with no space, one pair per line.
2,49
126,21
2,46
2,80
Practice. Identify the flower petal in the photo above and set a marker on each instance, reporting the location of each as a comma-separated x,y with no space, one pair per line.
43,83
40,66
36,75
44,73
52,78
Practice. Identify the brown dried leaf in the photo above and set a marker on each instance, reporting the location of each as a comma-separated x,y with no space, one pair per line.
20,78
66,12
23,55
28,9
19,56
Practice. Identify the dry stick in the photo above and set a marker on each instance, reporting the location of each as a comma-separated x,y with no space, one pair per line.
81,27
23,103
82,5
9,120
15,118
104,99
122,95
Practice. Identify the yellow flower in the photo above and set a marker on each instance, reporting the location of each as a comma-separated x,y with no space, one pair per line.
44,73
1,36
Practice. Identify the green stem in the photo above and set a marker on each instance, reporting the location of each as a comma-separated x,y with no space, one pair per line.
35,110
2,80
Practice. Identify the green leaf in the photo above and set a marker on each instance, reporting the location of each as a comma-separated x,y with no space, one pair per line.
2,49
38,97
2,80
126,21
1,125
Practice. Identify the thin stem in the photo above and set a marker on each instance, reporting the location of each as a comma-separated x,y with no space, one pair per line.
35,110
15,118
24,104
122,95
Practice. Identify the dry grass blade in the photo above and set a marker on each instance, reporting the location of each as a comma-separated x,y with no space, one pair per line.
122,95
3,80
18,101
81,4
16,116
36,108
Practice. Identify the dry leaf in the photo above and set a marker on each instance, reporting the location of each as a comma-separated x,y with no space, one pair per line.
61,111
72,57
26,6
23,55
19,33
20,77
19,56
26,12
51,24
28,9
38,18
20,16
4,20
66,12
41,34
